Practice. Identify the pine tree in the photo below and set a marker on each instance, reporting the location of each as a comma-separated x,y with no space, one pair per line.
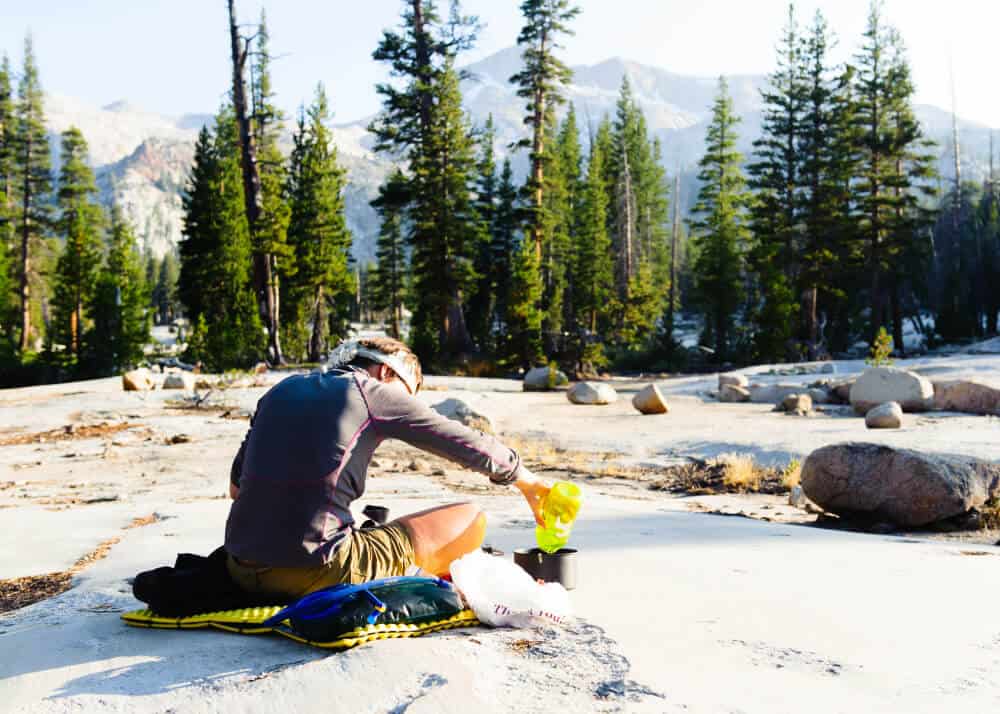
523,343
569,158
214,283
32,187
720,233
593,268
893,161
418,124
446,229
388,281
828,147
777,207
119,306
540,82
164,290
480,306
503,246
270,235
79,224
907,249
321,288
7,207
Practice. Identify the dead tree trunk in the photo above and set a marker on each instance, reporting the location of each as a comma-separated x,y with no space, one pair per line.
674,237
264,278
318,323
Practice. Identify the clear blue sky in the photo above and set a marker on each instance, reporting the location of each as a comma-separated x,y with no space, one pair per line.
171,57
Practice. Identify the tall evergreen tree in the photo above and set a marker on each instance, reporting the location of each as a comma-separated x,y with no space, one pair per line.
414,126
79,224
323,284
523,339
32,187
119,307
719,229
541,82
775,256
388,281
569,159
270,235
593,269
480,306
215,283
7,205
892,161
445,227
164,290
503,246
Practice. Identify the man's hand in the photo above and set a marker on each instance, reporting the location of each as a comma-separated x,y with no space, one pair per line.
234,490
534,491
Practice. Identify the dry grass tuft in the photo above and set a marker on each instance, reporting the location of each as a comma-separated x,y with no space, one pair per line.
792,474
739,472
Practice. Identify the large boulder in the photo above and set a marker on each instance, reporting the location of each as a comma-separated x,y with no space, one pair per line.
840,392
541,379
776,393
459,411
736,380
968,397
592,393
905,487
138,380
649,400
733,393
885,416
878,385
179,380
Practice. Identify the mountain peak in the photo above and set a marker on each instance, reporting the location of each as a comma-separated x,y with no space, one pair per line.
121,106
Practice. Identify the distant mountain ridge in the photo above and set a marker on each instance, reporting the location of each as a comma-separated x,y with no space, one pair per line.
142,159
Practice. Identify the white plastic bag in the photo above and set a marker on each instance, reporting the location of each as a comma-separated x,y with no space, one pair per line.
503,595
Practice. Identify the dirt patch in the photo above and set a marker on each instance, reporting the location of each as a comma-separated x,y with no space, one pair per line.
703,478
16,593
71,432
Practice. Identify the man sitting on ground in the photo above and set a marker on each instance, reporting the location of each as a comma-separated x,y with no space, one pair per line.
304,461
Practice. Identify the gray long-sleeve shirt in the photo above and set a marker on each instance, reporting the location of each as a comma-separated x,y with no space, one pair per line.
306,456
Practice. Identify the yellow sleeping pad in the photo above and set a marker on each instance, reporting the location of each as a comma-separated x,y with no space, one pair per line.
250,621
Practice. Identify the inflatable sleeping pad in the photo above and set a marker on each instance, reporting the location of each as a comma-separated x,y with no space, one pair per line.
339,617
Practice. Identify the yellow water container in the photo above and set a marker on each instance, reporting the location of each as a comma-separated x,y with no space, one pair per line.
559,509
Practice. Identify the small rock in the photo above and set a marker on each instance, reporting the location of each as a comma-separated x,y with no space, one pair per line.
260,368
775,393
797,404
878,385
138,380
179,439
885,416
592,393
736,380
179,380
649,400
733,393
828,368
541,379
840,392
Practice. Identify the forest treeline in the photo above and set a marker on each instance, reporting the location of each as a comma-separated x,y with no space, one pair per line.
833,228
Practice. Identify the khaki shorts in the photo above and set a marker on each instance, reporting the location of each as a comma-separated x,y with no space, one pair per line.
364,555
